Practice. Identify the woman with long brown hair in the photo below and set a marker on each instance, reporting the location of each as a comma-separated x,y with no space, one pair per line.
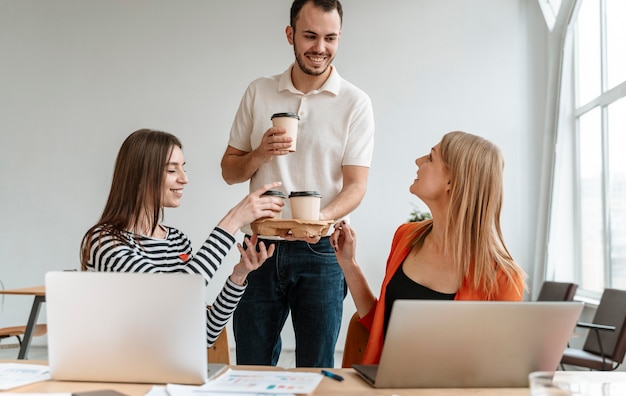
149,176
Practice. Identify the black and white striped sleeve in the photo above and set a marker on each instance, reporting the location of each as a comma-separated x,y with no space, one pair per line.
222,309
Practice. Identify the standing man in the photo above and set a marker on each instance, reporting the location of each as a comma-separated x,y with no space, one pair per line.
334,152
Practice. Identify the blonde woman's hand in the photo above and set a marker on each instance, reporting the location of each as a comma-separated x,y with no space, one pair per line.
250,258
343,241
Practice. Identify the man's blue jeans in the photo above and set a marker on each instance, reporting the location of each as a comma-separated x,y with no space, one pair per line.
305,279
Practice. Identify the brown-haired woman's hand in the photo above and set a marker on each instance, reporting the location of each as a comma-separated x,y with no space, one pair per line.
251,259
254,206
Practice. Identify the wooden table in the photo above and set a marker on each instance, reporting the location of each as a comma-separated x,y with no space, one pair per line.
352,385
39,292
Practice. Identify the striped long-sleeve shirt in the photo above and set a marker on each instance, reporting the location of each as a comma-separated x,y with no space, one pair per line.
172,254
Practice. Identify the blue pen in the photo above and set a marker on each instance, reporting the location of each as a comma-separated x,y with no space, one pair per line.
332,375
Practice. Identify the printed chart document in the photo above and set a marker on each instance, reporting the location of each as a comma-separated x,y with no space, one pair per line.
13,375
246,382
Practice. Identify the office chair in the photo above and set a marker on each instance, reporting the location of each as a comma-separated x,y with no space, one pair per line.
18,332
605,345
557,291
356,341
219,352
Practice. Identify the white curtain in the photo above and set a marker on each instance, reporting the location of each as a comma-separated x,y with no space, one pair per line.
555,221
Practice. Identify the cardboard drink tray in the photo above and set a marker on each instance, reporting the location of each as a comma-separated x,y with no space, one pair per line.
297,228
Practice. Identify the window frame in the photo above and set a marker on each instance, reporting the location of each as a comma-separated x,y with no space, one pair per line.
605,98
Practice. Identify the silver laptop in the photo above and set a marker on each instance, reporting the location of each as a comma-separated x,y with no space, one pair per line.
126,327
471,344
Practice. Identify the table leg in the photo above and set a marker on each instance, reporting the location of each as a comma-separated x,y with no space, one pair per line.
30,326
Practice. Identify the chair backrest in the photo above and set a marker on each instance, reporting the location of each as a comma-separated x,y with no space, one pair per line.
557,291
356,341
219,352
611,311
18,332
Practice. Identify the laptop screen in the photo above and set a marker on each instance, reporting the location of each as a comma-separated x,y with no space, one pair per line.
126,327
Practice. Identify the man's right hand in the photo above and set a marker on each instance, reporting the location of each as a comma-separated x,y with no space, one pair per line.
273,143
239,166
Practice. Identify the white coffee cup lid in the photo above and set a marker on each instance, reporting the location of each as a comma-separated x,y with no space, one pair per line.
275,193
292,115
305,194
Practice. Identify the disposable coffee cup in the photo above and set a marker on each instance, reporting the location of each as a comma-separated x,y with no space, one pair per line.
289,121
276,193
305,205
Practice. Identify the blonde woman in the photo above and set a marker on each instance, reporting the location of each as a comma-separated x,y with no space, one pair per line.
457,255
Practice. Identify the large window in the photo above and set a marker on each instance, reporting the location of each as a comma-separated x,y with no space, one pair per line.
599,128
550,9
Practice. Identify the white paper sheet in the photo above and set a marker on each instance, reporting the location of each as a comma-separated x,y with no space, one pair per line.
245,382
13,375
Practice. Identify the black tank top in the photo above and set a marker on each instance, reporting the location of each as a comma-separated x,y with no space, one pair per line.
401,287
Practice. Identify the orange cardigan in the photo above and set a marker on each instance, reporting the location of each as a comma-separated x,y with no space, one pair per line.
400,248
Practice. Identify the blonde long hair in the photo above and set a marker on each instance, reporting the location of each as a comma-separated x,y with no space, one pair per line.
472,233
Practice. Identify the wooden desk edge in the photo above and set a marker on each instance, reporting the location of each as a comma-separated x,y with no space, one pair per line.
352,385
30,291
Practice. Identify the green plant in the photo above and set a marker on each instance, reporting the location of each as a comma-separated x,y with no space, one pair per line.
418,215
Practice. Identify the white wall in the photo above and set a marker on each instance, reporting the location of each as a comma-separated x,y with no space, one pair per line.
76,77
